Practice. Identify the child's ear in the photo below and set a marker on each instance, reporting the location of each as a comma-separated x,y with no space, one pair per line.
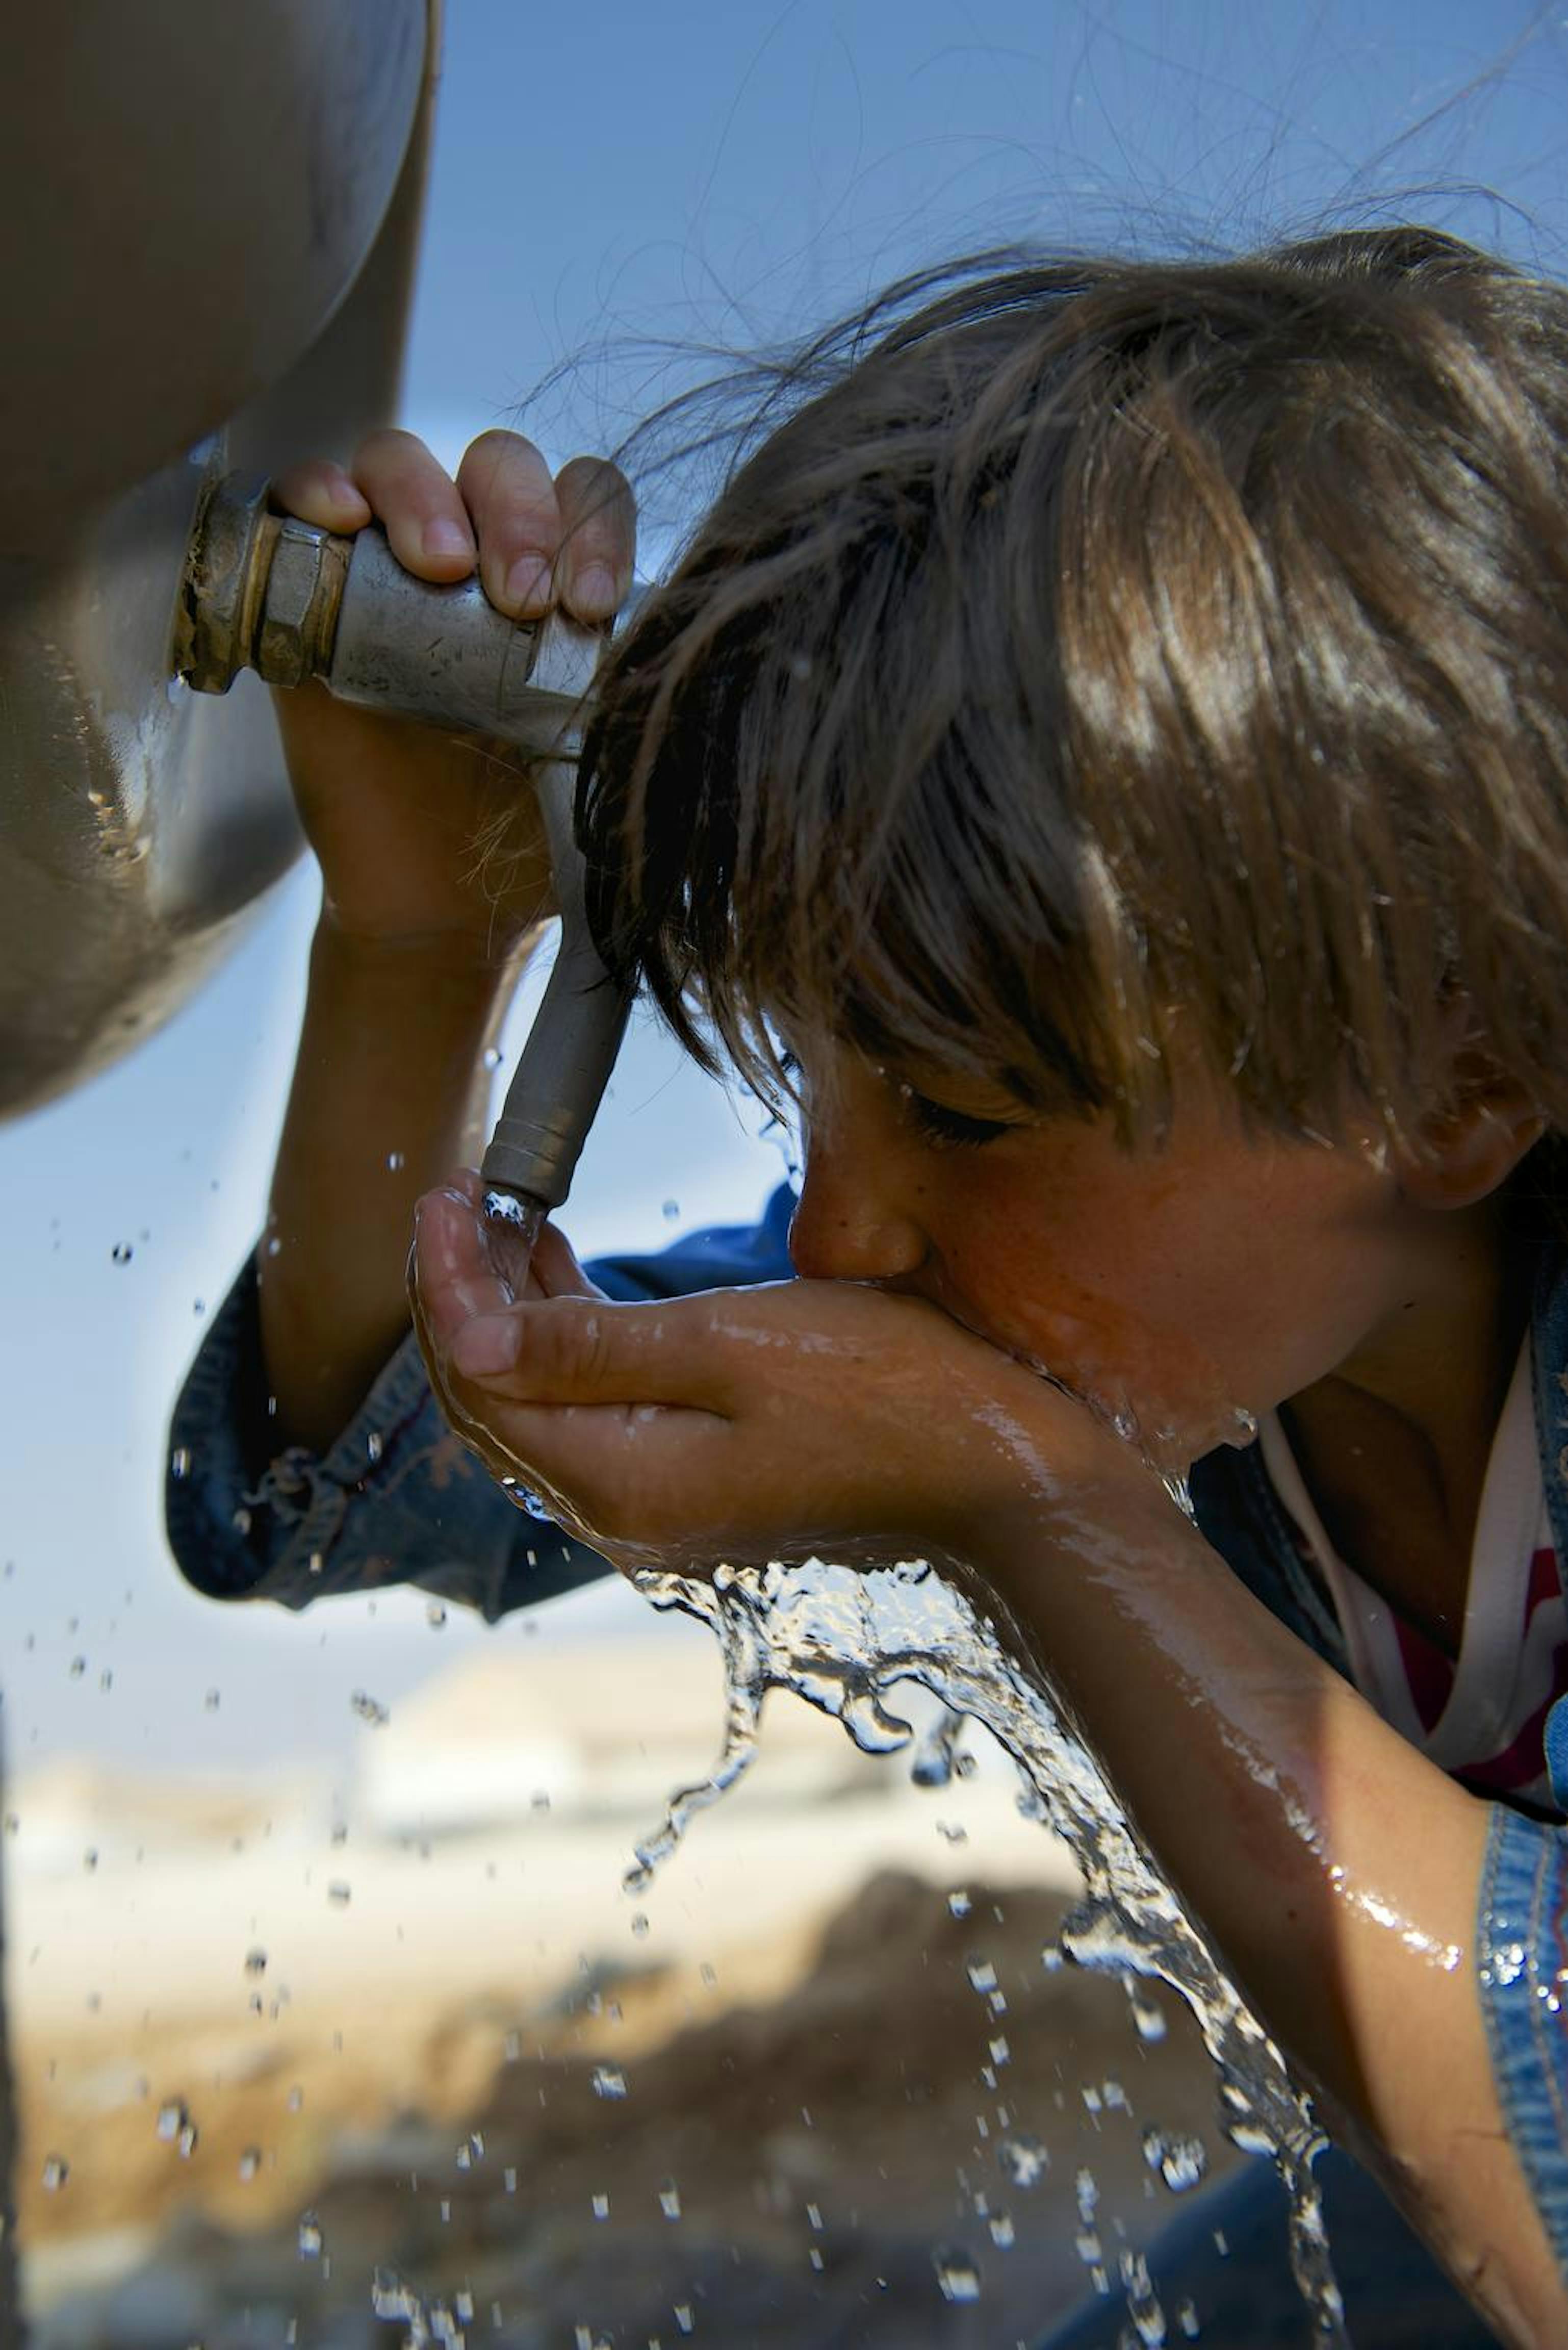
1468,1149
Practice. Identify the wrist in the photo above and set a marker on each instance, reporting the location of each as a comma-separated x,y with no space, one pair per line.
1103,1535
486,959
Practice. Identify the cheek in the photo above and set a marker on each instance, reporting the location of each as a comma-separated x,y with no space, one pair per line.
1110,1292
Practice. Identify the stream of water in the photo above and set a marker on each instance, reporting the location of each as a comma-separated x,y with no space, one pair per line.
843,1639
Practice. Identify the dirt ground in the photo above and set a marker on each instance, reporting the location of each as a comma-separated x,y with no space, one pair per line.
889,2151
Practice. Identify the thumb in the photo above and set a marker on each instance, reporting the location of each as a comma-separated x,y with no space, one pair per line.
588,1350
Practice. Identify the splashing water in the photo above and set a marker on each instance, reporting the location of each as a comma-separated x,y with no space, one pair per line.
512,1225
842,1639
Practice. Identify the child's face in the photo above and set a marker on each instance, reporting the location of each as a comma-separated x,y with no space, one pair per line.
1191,1286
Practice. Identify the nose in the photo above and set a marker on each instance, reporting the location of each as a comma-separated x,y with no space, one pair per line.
851,1226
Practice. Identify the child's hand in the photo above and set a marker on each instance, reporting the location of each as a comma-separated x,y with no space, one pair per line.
751,1424
393,807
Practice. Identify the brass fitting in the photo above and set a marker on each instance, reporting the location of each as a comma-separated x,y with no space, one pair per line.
261,591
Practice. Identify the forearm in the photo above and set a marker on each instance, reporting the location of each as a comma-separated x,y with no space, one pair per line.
388,1095
1334,1869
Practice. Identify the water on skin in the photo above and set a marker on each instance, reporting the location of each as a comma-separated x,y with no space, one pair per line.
842,1639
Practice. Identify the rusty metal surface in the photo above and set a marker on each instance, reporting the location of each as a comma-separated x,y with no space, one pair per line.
141,821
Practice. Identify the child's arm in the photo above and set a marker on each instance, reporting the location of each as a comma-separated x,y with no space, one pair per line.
1339,1872
417,951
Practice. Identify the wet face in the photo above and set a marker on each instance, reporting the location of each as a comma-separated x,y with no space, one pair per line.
1189,1286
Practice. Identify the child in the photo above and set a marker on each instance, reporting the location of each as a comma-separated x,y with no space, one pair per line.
1108,753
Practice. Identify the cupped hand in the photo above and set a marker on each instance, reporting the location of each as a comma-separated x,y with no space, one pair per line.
745,1425
397,811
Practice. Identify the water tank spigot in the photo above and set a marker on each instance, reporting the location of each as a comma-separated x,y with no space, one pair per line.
265,592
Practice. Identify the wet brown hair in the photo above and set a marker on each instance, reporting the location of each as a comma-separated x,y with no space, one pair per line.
1101,658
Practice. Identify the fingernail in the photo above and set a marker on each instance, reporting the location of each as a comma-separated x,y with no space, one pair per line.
529,581
594,591
446,538
485,1346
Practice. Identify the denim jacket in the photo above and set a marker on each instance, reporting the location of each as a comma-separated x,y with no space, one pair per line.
397,1498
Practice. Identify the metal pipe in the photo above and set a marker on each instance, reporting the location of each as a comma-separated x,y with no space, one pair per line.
292,602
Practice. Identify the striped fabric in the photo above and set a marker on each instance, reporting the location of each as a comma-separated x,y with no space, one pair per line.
1482,1717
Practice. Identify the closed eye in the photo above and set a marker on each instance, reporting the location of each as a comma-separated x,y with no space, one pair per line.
949,1129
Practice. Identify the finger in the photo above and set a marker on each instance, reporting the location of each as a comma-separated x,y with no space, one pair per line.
615,1474
582,1350
323,493
599,538
454,1276
417,505
556,1267
507,487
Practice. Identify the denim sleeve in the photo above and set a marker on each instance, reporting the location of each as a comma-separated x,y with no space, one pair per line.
1523,1971
396,1498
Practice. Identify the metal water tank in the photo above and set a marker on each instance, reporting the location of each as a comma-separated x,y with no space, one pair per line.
208,241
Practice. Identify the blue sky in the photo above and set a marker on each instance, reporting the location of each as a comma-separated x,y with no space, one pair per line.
701,174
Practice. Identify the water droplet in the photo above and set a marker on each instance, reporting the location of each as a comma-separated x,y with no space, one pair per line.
186,2143
472,2152
180,1463
213,1700
1148,2015
601,2206
373,1446
250,2163
1143,2304
683,2318
671,1210
981,1975
339,1894
1187,2318
310,2239
317,1562
956,2274
121,1251
608,2081
959,1902
370,1708
1181,2161
394,1162
56,2170
1002,2230
953,1831
640,1925
77,1668
173,2117
435,1614
670,2200
1023,2157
